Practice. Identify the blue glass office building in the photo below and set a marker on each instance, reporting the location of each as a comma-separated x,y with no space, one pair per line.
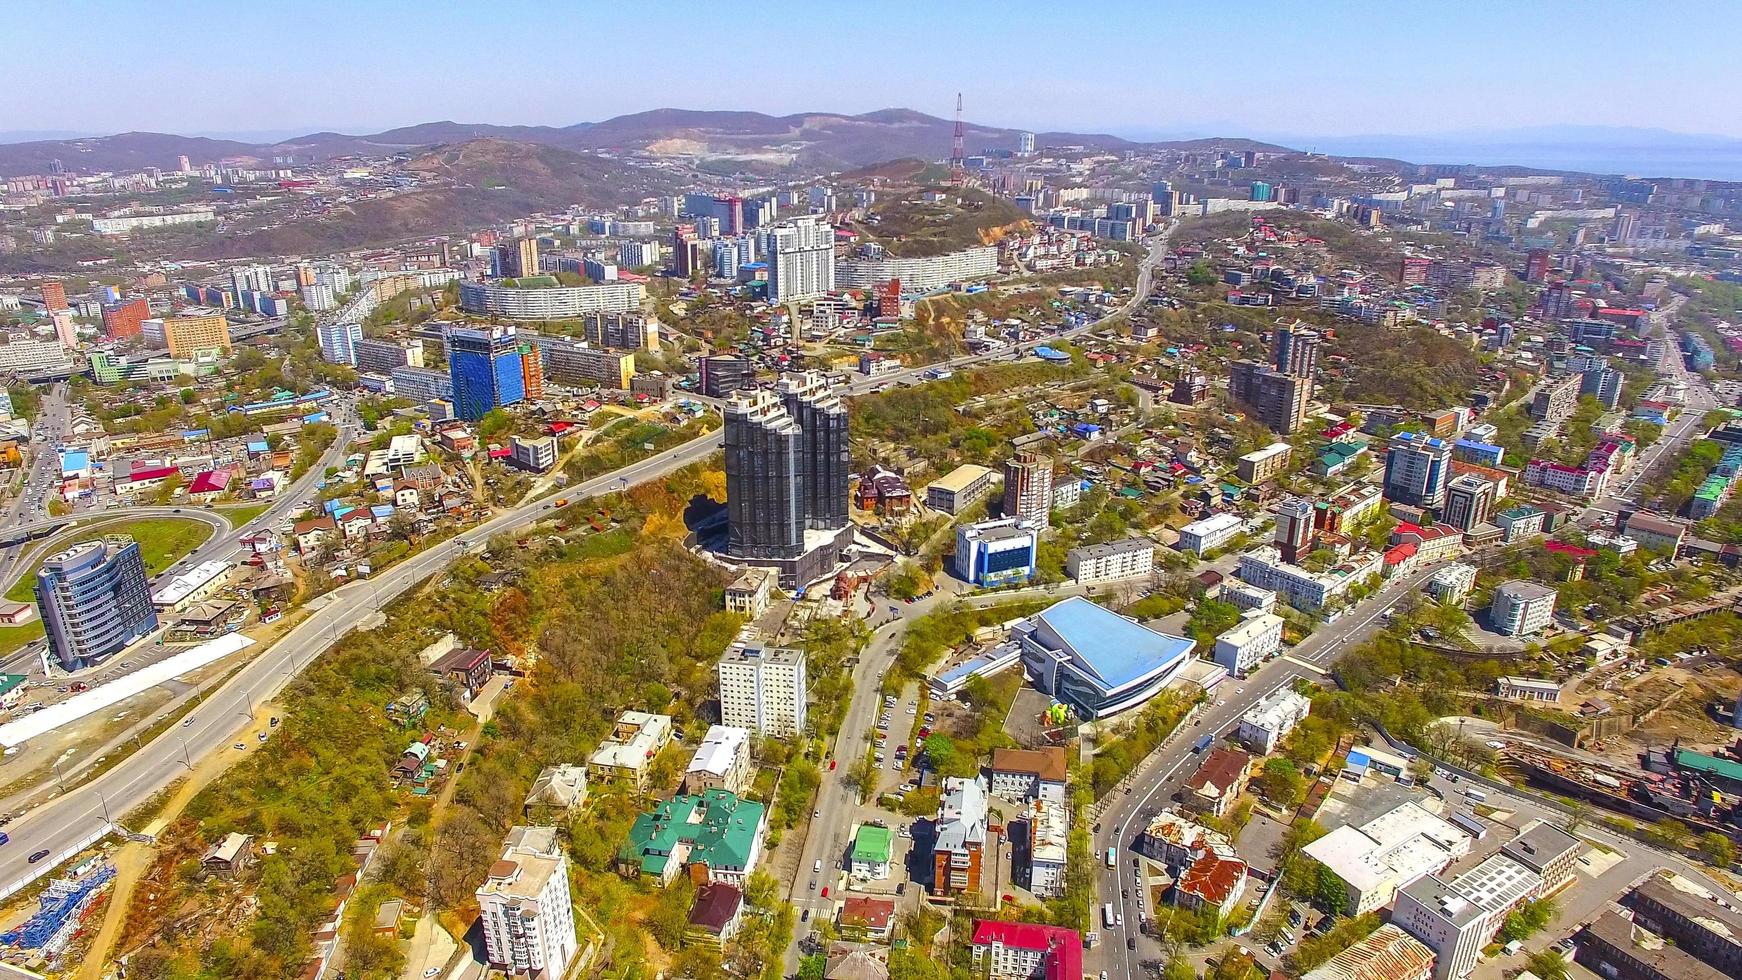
486,369
94,601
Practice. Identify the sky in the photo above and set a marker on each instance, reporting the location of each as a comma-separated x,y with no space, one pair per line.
1138,69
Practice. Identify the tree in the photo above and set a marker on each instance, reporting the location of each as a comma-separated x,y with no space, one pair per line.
495,424
1281,783
978,691
1668,832
1717,849
1547,964
1211,619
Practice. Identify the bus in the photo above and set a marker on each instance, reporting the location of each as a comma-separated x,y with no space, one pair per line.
1108,919
1112,857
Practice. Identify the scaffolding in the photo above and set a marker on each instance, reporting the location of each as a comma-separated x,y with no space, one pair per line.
60,908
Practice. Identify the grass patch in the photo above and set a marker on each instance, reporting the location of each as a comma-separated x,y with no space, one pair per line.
15,637
163,541
238,516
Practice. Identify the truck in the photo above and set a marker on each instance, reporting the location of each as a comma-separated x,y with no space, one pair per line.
1108,918
562,501
1203,742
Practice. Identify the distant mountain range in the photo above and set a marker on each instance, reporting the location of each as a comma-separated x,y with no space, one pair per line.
755,141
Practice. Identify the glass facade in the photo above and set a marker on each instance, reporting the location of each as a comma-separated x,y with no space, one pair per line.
94,601
486,370
786,468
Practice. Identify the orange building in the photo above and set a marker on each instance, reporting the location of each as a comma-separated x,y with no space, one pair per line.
123,319
532,371
54,295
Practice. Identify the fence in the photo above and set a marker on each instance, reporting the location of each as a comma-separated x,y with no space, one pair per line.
53,861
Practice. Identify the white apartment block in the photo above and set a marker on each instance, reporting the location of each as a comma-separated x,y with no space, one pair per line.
550,303
524,905
919,275
1451,585
1264,568
1209,534
1130,558
801,259
1257,638
763,690
722,761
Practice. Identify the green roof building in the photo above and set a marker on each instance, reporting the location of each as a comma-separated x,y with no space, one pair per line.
873,849
714,833
1725,773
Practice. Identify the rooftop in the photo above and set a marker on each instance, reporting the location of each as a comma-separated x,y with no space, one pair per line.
1650,949
1386,954
1113,648
1048,763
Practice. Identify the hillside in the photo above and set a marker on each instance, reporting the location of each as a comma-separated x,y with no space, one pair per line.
909,227
473,184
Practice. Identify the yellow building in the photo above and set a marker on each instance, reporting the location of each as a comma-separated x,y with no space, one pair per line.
196,329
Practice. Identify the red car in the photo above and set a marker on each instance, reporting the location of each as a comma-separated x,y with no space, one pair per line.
825,891
831,765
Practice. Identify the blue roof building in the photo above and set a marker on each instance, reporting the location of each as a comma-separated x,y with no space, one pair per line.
1095,660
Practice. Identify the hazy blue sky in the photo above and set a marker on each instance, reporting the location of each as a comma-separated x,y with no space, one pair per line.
1134,68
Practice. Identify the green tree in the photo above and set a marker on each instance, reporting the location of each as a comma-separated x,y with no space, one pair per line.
1211,619
1281,783
1668,832
1548,964
495,424
1718,850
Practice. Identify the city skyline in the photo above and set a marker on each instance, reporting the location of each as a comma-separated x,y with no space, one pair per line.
1345,76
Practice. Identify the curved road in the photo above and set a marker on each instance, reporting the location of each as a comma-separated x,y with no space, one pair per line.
58,826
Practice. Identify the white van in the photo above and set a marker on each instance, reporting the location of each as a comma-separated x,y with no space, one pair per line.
817,868
1476,795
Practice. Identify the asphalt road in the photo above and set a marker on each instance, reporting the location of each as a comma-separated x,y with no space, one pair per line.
60,824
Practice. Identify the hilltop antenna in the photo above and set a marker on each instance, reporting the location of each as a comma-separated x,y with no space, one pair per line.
958,148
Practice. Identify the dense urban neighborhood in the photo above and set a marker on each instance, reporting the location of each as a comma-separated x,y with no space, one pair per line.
904,550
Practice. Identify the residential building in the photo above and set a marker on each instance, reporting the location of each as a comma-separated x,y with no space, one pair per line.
763,690
722,761
1457,918
1577,481
1451,585
1417,469
1278,400
1262,464
1469,501
1654,533
1522,608
994,553
1211,883
959,837
562,788
1028,486
876,918
1553,854
1041,847
382,356
1294,528
1178,843
1527,689
1254,640
338,342
786,478
525,907
801,259
1219,779
628,752
1029,774
1210,533
713,836
1555,399
124,319
918,275
722,375
94,601
716,915
195,329
1095,660
1389,852
1303,589
1111,561
959,489
1615,948
537,301
1265,724
1026,951
1246,597
485,368
1698,919
1388,953
621,331
535,454
577,365
750,593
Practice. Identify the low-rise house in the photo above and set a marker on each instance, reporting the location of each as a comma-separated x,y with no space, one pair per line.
959,837
1527,689
311,534
563,787
468,669
873,917
873,851
1388,953
1211,883
716,914
228,858
628,752
1220,779
1026,951
1268,722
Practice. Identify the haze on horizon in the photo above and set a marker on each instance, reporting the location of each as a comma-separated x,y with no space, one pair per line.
1264,68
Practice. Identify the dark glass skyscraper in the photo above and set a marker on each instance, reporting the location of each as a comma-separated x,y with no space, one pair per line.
786,477
94,601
